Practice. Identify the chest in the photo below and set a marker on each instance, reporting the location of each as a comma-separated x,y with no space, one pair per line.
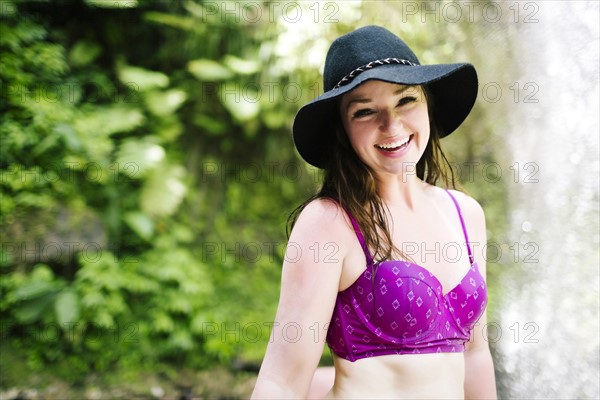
435,242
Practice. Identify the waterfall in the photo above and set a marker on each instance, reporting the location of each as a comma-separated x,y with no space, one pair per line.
546,340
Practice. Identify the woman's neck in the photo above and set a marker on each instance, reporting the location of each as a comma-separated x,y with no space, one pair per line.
400,190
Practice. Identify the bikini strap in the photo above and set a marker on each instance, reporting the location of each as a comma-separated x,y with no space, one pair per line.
462,222
361,238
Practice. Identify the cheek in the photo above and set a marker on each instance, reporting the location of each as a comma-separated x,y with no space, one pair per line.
423,124
356,137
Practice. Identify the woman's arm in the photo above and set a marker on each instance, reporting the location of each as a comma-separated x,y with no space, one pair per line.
480,382
309,285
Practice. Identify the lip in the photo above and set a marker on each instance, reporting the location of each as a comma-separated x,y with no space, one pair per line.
397,152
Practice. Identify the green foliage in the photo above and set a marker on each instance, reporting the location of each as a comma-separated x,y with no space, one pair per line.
141,147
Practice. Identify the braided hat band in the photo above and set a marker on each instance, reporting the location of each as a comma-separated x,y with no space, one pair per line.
346,79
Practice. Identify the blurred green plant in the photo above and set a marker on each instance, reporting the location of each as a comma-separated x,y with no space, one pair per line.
91,125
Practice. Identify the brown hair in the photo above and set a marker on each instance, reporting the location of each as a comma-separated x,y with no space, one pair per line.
351,183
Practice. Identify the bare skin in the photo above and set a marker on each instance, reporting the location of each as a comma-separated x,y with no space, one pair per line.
377,115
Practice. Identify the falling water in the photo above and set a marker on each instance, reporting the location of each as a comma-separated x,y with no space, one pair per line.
549,346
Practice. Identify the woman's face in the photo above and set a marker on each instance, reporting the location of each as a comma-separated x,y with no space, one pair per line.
387,125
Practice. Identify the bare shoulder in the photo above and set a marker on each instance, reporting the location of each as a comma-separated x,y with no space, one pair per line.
470,207
325,216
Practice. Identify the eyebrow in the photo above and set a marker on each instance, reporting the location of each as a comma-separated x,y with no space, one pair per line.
367,100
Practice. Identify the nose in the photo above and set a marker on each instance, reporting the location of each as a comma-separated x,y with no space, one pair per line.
391,124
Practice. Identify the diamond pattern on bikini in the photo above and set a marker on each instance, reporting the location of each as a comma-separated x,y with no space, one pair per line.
397,320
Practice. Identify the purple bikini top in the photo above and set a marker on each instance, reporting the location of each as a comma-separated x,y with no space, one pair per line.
403,310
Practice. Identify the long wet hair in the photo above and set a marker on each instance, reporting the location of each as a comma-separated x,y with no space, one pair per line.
351,183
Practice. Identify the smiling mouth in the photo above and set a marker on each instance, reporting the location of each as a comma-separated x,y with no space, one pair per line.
396,145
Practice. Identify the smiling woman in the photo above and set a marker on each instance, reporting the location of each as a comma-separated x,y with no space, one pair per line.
397,328
386,122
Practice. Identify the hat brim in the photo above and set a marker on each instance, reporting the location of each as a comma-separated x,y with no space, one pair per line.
452,86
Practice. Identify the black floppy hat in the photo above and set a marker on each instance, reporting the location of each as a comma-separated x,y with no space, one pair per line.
373,52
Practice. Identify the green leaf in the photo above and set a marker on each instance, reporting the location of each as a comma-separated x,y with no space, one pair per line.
163,322
113,3
209,70
142,79
142,155
84,52
241,105
210,125
175,21
108,120
141,224
66,307
32,310
163,191
36,289
165,103
241,66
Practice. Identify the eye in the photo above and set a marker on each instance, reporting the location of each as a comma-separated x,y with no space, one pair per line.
406,100
362,113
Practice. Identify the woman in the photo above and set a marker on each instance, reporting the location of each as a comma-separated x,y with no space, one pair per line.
380,261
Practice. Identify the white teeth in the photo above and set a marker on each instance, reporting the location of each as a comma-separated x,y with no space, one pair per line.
395,144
